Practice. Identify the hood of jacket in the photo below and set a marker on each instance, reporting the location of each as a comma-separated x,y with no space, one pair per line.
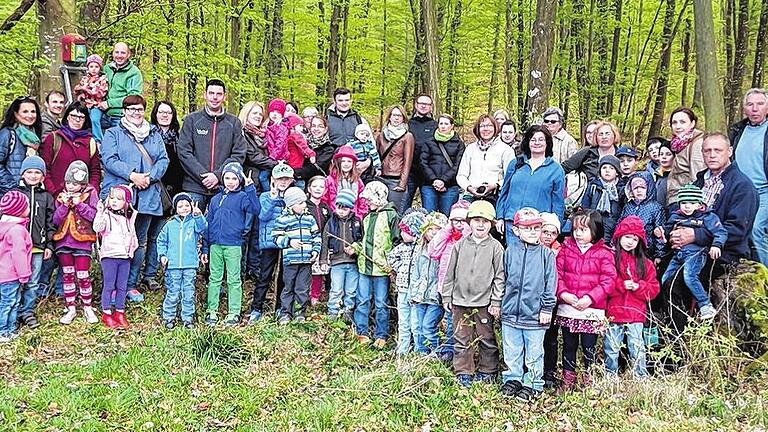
650,195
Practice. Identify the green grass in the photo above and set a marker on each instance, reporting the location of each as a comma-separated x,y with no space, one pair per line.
308,377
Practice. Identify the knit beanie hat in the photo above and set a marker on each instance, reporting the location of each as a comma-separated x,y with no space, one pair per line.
282,170
77,172
126,193
94,58
363,127
181,196
630,225
33,162
276,105
294,120
550,219
527,216
376,193
346,198
234,168
690,193
412,221
459,210
293,196
14,203
345,151
612,161
433,219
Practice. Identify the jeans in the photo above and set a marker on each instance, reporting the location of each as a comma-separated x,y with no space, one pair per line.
267,264
143,223
691,261
202,200
46,273
221,258
396,197
523,347
29,289
760,229
428,317
407,323
95,114
115,282
378,287
179,285
295,295
571,345
344,279
150,267
10,296
251,252
432,200
613,341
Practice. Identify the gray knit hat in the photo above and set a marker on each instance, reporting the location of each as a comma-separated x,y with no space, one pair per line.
293,196
77,172
612,161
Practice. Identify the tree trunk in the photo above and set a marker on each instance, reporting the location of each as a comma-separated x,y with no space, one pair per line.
234,52
344,43
736,73
706,66
663,76
275,61
541,57
453,59
494,60
90,14
322,39
57,18
385,47
431,46
728,19
614,56
520,64
190,75
170,18
508,88
155,81
333,46
686,63
762,32
578,37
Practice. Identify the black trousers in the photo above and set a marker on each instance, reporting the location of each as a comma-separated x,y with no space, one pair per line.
571,346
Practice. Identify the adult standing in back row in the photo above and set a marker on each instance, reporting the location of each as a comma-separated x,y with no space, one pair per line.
423,126
210,138
342,119
124,79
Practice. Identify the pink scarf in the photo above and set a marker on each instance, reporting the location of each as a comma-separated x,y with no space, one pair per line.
681,142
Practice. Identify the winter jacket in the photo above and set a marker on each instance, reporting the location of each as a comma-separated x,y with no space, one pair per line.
50,123
291,226
625,306
332,189
271,209
401,260
435,166
256,159
380,233
123,81
475,276
649,210
178,241
441,248
121,158
15,250
564,146
734,133
341,128
661,186
117,233
226,216
400,158
530,286
592,273
320,212
349,230
687,164
174,175
75,223
423,287
323,156
69,151
41,226
541,189
736,206
12,154
276,140
585,160
298,150
592,197
705,220
478,167
207,143
365,150
423,129
92,90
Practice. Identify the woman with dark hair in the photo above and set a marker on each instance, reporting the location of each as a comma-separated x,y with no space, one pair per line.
686,145
134,153
533,180
440,161
19,138
318,141
508,135
395,145
588,135
73,141
484,162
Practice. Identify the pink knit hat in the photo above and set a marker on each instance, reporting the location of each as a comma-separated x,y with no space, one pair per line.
126,192
294,120
94,58
14,203
276,105
345,151
459,210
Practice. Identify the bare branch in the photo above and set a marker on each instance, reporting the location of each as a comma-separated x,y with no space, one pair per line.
17,15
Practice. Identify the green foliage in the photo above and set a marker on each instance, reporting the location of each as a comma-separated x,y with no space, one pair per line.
211,347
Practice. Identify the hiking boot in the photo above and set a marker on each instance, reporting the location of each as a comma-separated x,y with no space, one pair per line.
153,285
211,319
254,317
120,319
485,378
69,316
170,324
108,320
90,315
510,388
379,343
569,381
464,380
135,296
31,321
284,319
348,316
232,320
8,337
527,394
551,380
707,312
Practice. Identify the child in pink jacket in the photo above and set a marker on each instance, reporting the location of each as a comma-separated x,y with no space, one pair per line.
92,91
115,226
16,256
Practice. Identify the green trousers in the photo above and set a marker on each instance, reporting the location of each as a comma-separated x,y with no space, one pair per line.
219,258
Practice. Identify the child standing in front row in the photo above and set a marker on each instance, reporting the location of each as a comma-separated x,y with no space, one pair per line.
424,288
473,287
320,211
635,287
15,254
177,249
526,309
115,225
586,274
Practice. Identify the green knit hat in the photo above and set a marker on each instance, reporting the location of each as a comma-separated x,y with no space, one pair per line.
690,193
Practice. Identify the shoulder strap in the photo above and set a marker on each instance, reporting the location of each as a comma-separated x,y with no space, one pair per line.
445,153
144,154
56,146
391,146
93,148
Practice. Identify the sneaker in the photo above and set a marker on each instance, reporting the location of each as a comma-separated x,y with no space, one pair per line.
707,312
527,394
152,285
108,320
254,317
211,319
510,388
8,337
231,320
169,324
189,325
379,343
31,321
90,315
69,316
485,378
363,339
464,380
550,380
299,318
284,319
135,296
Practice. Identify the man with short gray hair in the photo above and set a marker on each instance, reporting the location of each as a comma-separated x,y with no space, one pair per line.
564,145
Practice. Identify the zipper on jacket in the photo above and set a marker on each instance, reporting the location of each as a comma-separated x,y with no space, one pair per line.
181,243
213,142
522,278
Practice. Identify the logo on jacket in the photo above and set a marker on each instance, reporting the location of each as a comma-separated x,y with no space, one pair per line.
202,131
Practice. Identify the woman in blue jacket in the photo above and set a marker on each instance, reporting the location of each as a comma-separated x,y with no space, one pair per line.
533,180
19,138
133,152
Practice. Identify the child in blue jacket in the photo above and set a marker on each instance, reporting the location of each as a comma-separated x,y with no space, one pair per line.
603,194
297,234
641,202
222,245
177,249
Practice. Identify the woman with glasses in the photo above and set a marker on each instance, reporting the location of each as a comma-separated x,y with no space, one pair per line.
441,158
395,145
134,153
318,141
19,138
73,141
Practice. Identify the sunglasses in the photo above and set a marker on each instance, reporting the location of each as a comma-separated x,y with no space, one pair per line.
551,121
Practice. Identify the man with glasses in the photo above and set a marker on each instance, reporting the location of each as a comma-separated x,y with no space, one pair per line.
564,145
342,119
423,126
124,79
54,106
209,139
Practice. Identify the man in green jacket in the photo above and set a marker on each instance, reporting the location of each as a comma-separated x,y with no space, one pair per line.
124,79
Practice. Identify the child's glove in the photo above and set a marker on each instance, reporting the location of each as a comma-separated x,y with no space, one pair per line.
495,311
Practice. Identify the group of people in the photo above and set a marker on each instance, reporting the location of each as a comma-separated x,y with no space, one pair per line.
531,229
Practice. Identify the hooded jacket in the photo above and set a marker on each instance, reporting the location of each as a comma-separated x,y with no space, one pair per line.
123,81
424,288
380,232
625,306
118,234
226,216
208,142
649,210
530,285
41,206
592,197
178,241
271,209
15,250
592,273
475,276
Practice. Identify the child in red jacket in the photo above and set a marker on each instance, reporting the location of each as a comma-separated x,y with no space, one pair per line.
636,285
16,256
586,275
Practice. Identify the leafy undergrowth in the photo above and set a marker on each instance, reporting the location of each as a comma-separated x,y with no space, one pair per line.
308,377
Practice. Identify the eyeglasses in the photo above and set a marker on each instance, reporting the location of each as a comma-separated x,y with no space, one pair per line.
165,113
486,126
551,121
74,116
424,103
134,109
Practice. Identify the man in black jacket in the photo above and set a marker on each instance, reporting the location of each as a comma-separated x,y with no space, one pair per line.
342,119
423,126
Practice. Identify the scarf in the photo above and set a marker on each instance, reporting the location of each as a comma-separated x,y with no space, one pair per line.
681,142
315,143
392,133
139,133
71,135
169,137
254,130
28,138
610,193
445,137
484,146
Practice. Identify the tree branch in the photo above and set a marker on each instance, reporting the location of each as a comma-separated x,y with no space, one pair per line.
17,15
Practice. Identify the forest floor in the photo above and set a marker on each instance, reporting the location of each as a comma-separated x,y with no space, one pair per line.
310,376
